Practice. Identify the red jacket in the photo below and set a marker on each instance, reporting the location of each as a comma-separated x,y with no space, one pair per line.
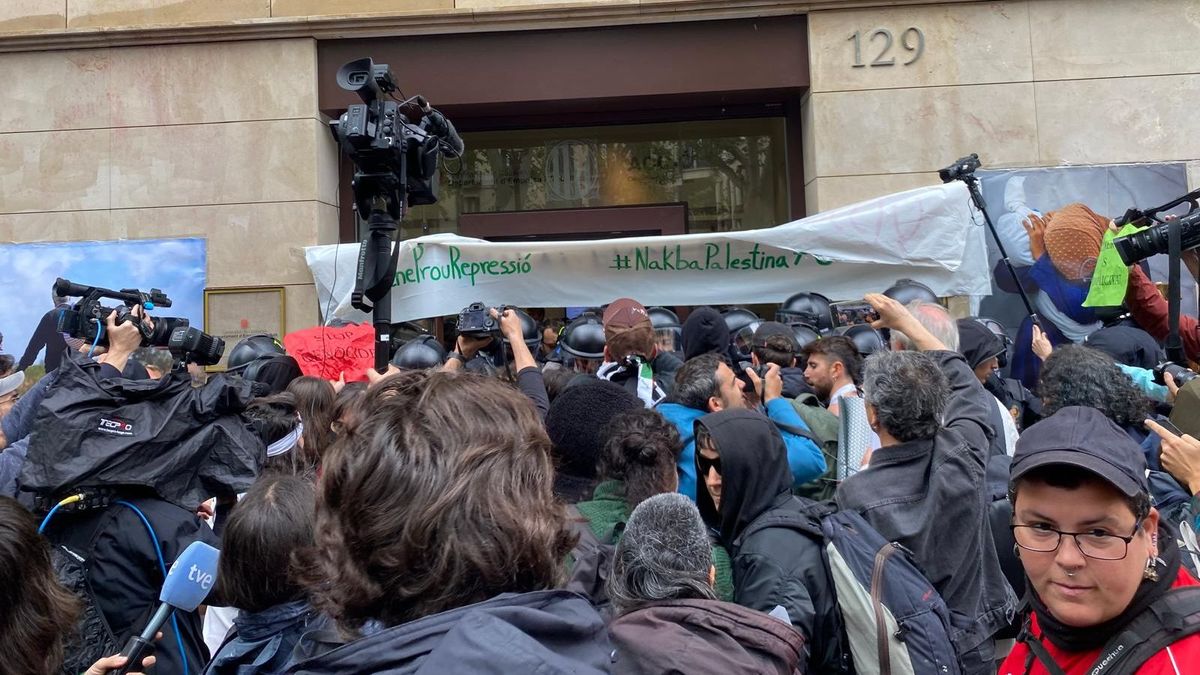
1149,309
1177,659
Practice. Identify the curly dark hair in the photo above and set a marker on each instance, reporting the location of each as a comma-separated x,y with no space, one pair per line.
439,499
641,448
36,612
1077,375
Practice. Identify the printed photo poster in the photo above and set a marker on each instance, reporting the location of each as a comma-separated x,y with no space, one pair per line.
28,271
1109,191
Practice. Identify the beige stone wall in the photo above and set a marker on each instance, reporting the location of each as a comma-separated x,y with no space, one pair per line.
1023,83
222,141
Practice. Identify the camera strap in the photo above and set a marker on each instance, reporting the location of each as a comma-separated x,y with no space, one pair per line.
1174,245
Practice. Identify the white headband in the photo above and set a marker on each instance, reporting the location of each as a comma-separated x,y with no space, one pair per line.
287,442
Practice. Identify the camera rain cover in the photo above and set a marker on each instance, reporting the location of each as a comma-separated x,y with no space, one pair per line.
184,444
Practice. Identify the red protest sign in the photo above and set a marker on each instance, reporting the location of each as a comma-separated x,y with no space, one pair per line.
328,352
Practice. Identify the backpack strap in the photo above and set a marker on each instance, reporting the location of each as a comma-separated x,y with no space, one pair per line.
1037,650
797,431
1167,620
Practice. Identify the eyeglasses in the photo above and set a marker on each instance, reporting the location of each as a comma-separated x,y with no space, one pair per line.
703,464
1096,544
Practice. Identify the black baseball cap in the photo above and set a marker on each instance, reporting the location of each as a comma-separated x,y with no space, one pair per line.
1083,437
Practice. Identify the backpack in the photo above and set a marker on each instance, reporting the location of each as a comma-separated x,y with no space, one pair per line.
93,638
1167,620
894,621
592,562
824,426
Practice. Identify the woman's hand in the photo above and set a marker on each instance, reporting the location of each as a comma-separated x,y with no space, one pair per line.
1041,344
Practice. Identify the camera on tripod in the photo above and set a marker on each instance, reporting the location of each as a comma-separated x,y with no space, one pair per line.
86,320
961,169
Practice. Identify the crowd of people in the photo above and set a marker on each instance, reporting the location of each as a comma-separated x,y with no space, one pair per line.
625,492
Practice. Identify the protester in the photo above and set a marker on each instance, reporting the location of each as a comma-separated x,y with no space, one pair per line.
670,620
1077,473
272,522
157,361
704,332
637,462
748,488
833,370
10,387
934,319
439,542
347,408
629,351
576,425
982,350
705,384
314,399
926,486
776,343
1150,309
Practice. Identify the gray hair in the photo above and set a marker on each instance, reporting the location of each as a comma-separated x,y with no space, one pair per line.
936,319
663,554
696,382
908,391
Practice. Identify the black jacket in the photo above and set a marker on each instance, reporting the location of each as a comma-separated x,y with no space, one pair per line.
704,331
794,384
775,566
932,497
124,571
544,632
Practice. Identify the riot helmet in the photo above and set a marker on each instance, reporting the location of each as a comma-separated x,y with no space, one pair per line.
811,309
420,353
668,331
866,339
584,337
905,291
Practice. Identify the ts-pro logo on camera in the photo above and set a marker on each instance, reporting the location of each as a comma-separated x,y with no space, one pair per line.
115,426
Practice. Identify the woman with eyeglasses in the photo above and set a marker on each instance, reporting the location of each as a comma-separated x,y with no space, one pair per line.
1106,588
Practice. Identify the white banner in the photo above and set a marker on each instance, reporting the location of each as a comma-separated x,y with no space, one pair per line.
932,235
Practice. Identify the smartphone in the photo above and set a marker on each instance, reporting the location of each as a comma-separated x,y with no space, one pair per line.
852,313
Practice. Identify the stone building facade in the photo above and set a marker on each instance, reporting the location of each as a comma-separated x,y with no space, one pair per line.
164,118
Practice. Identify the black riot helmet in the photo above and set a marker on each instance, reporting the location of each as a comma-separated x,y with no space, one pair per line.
866,339
805,335
662,318
420,353
737,318
905,291
252,349
668,331
529,328
584,337
811,309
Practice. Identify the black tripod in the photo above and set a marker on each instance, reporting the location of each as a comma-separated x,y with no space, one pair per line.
964,170
376,270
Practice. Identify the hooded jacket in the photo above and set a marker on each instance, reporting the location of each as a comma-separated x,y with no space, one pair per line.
931,496
699,637
705,331
775,566
544,632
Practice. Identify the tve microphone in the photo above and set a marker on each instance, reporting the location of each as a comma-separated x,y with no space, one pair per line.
188,583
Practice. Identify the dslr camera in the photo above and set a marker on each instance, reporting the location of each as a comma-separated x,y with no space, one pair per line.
86,320
475,320
1180,374
1136,247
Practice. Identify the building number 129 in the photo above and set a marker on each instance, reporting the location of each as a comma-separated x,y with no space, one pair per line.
911,40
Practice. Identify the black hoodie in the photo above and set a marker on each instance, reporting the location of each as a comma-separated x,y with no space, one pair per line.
705,331
776,565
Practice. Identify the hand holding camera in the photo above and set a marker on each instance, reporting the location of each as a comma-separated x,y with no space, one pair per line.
770,385
1180,455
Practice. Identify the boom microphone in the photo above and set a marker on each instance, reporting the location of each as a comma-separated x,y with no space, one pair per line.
187,584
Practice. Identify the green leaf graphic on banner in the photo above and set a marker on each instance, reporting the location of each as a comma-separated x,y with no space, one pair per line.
1111,277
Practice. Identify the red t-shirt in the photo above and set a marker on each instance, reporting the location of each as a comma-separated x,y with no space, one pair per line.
1177,659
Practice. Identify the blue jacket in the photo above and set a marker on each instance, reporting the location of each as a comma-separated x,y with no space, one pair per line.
262,643
804,457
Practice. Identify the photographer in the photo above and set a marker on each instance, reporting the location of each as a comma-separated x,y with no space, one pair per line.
1149,307
529,377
